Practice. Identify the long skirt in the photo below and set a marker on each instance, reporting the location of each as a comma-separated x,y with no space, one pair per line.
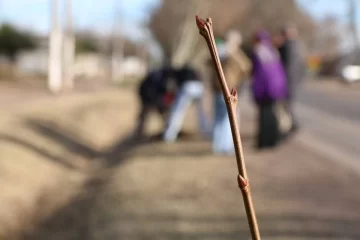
268,128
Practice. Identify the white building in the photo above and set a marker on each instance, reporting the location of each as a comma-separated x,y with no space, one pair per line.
87,65
32,62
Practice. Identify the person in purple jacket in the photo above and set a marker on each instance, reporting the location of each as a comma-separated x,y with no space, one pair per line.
268,88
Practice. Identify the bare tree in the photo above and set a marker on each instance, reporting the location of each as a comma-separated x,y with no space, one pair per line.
327,38
171,25
169,22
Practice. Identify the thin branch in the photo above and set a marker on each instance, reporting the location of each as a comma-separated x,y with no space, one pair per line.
205,29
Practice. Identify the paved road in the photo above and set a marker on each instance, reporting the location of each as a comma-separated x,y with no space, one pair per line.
331,121
342,103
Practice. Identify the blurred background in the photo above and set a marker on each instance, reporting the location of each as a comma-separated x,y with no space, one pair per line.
72,168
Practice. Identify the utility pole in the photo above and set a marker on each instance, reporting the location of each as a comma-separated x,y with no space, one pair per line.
353,23
55,64
117,48
69,47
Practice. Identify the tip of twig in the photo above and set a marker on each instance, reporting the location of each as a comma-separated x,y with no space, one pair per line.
243,183
233,92
200,22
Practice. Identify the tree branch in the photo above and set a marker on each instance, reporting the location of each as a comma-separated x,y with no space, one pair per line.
205,29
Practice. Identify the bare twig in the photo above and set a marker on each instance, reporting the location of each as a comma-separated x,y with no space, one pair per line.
205,29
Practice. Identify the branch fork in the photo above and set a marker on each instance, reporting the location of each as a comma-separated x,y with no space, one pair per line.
231,99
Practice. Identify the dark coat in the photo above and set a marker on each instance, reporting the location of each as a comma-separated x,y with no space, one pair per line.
154,87
185,74
293,63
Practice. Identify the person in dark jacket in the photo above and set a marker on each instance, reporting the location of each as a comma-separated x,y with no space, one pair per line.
190,89
291,58
156,93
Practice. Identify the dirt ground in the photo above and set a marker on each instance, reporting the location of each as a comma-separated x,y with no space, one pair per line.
70,171
49,146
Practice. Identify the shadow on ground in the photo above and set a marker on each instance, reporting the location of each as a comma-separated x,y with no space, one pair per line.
79,220
74,220
82,218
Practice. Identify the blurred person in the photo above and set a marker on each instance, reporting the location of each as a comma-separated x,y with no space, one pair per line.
283,116
268,88
190,90
156,93
236,66
294,65
278,40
